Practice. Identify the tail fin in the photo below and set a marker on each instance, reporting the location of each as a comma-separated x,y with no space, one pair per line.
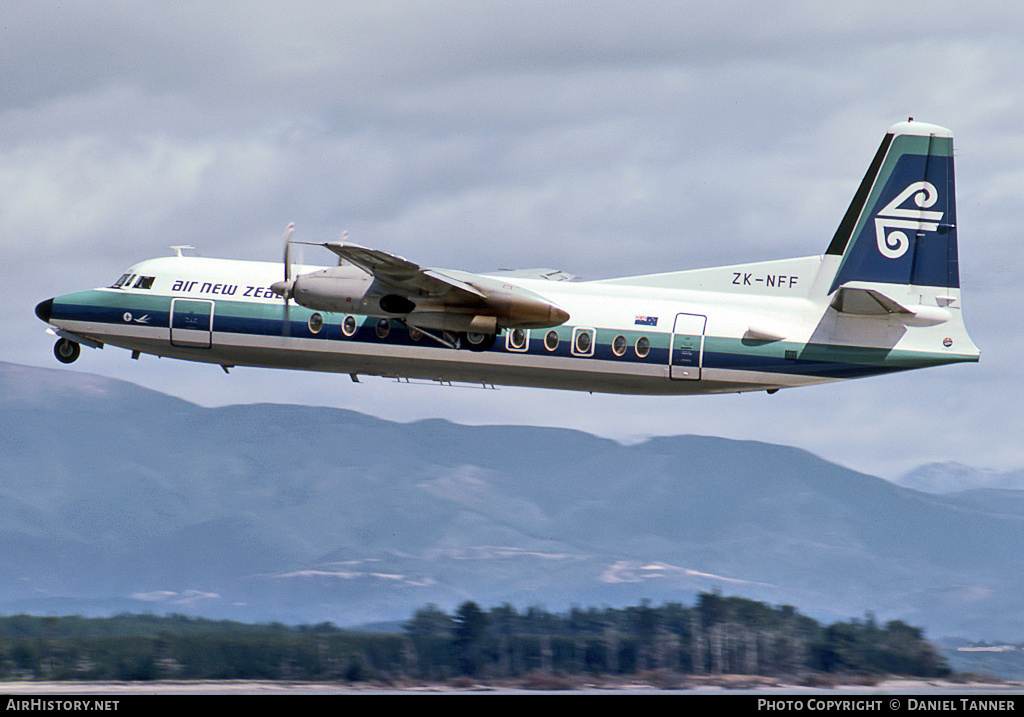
901,226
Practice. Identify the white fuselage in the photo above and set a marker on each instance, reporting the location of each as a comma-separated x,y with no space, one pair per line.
750,327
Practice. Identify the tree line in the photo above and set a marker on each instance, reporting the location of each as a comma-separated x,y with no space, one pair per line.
715,636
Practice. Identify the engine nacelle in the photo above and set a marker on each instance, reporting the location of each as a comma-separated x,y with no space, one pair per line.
491,307
341,289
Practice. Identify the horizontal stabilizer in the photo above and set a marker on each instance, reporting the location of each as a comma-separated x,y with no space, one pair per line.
856,298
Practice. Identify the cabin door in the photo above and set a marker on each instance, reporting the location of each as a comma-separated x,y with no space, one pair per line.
686,353
192,323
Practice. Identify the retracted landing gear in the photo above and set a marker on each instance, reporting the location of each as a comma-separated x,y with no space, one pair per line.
479,342
458,339
468,340
66,351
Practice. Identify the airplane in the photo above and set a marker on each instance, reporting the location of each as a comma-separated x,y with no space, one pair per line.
884,297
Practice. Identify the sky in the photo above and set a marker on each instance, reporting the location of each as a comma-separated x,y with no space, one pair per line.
601,138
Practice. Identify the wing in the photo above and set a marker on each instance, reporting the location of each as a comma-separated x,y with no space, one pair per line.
401,273
546,274
433,292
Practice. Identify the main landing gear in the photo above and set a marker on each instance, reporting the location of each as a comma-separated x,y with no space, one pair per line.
479,342
466,340
66,351
456,339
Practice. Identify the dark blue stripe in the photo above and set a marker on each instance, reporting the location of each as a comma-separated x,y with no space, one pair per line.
399,336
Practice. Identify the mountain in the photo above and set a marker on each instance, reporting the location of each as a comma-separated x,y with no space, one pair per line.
114,497
954,477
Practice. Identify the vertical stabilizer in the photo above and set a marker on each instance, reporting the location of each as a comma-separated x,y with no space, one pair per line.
901,226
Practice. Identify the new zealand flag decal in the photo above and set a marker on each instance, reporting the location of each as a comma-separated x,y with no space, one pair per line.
646,321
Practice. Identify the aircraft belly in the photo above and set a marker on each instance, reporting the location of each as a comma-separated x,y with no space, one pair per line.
443,364
126,336
490,368
723,373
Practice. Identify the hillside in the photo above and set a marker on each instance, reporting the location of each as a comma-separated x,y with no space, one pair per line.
116,498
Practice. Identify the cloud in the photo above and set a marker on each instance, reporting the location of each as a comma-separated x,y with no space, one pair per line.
601,138
170,597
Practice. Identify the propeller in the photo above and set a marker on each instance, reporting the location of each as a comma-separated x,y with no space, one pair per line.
286,288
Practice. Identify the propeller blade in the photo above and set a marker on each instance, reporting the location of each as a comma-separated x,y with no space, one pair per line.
288,284
288,251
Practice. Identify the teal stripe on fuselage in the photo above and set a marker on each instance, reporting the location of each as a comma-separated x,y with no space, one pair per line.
257,319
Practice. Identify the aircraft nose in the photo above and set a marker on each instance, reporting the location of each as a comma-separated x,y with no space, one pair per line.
44,309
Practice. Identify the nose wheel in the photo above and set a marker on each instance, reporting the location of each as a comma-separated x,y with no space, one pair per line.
66,351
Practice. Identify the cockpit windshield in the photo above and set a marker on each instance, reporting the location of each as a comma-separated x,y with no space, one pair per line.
128,281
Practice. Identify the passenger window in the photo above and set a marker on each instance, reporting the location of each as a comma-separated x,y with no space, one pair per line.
383,328
517,339
551,340
315,322
349,326
643,346
619,344
583,342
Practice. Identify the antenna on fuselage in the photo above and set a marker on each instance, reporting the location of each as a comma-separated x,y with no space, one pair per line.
178,248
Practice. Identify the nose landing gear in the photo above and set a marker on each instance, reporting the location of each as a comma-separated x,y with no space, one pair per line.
66,351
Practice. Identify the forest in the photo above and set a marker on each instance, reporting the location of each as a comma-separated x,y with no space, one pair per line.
717,635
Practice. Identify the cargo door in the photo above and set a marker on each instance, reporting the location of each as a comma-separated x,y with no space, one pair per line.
192,323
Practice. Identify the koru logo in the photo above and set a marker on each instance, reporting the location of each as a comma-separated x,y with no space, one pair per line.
891,222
